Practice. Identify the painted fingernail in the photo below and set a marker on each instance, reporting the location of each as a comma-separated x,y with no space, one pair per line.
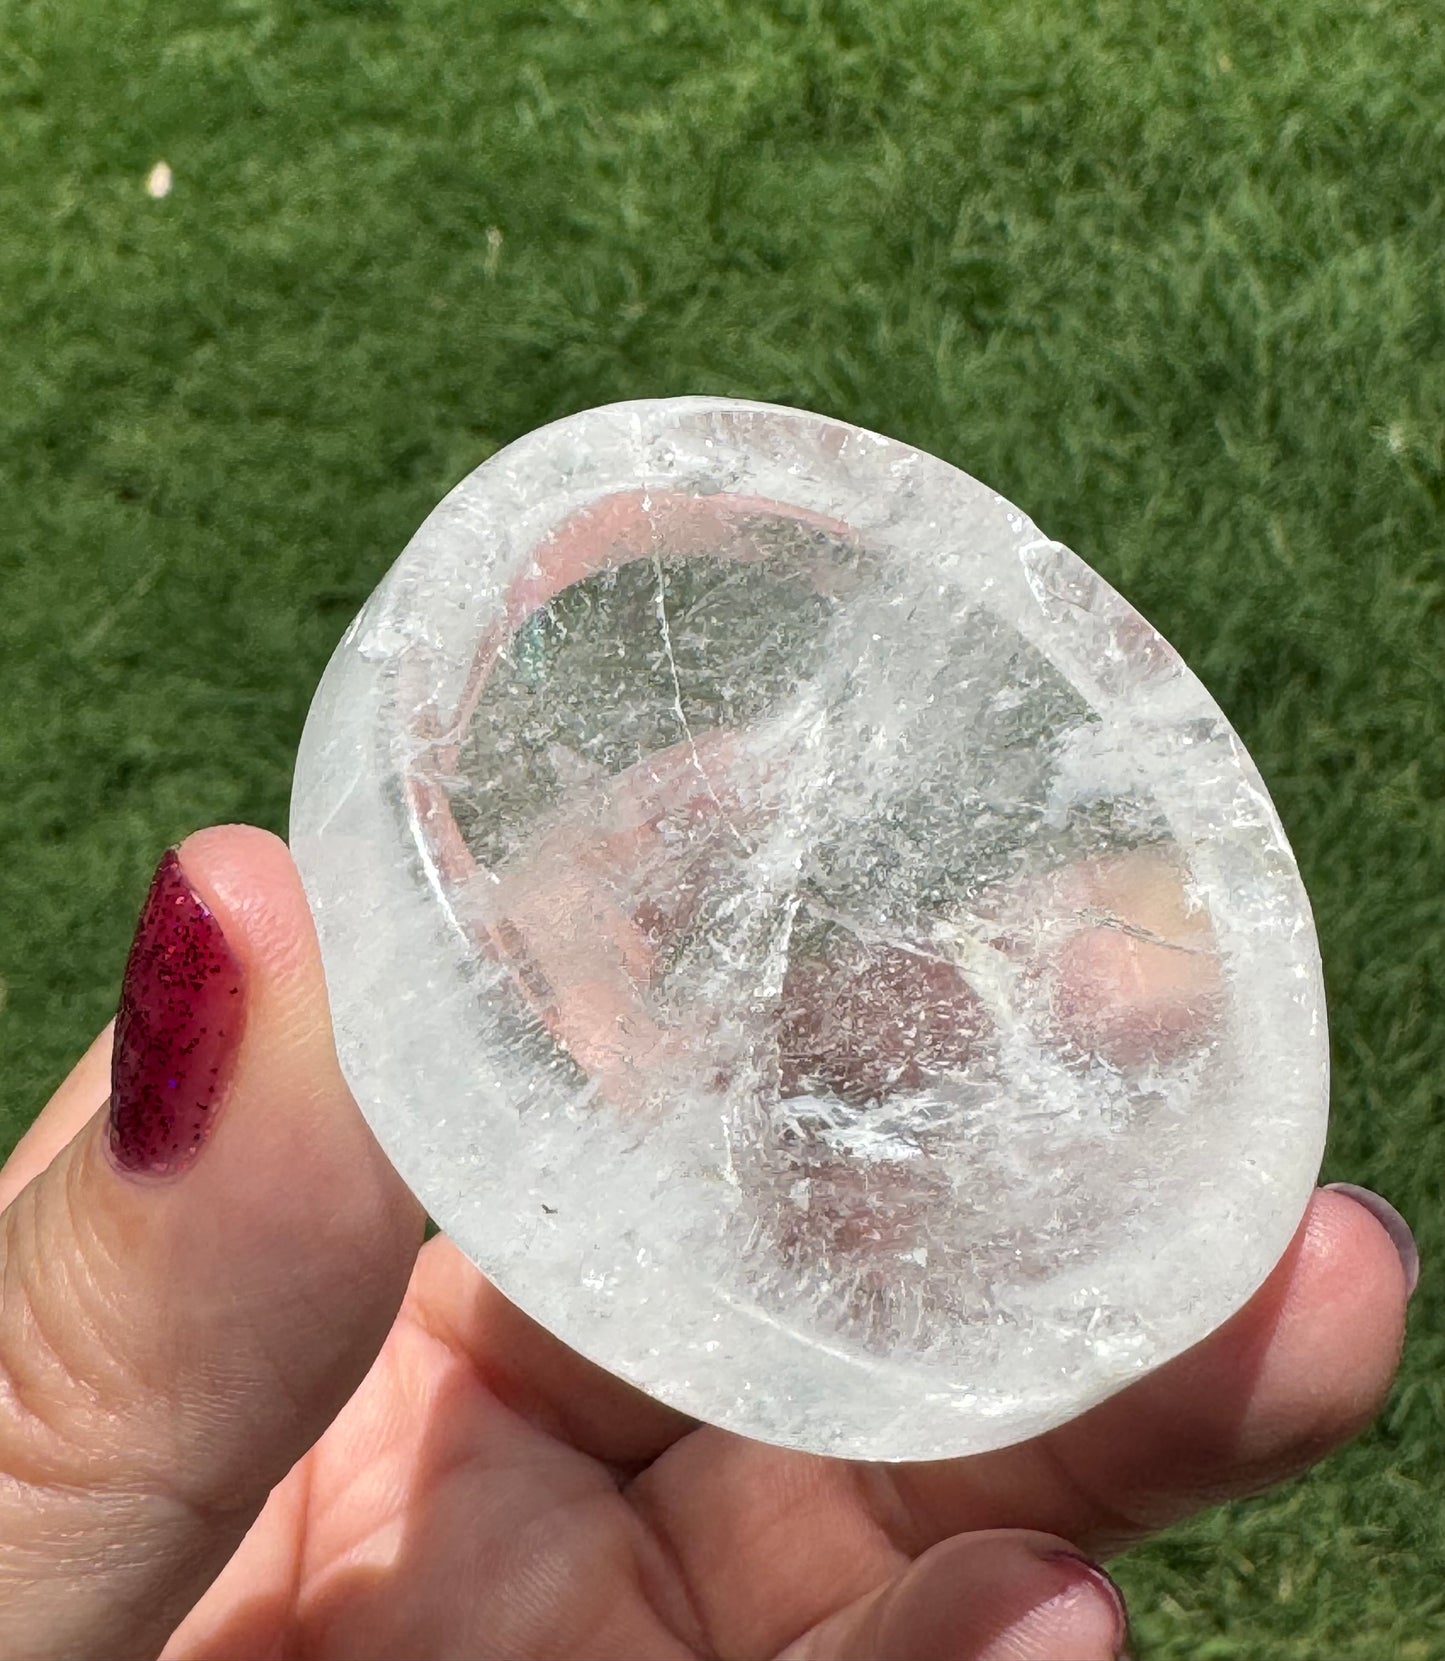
182,1006
1106,1584
1393,1224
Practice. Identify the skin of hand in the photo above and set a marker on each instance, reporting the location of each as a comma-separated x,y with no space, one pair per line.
244,1413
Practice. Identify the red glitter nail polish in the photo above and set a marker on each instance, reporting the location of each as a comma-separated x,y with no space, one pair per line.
182,1007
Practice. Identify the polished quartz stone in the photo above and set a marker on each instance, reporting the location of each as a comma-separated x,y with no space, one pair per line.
805,936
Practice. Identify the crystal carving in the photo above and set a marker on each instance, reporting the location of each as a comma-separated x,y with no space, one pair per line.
805,936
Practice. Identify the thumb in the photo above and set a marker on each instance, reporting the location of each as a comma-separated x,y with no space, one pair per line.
200,1276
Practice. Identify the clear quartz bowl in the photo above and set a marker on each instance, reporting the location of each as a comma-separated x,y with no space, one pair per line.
807,938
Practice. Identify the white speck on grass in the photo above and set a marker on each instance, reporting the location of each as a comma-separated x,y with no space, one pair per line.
159,181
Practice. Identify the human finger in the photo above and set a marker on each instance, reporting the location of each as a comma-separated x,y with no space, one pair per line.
194,1284
1005,1595
1301,1369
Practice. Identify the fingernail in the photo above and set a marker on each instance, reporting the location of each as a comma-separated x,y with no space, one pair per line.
1393,1224
182,1006
1105,1584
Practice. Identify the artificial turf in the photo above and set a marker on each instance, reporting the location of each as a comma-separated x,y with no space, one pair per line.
1167,274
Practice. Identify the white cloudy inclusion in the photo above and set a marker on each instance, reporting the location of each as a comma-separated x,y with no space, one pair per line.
805,936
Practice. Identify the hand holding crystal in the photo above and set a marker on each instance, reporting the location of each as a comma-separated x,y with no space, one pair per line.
826,959
243,1414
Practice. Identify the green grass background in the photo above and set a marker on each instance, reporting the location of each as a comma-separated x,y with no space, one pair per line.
1167,274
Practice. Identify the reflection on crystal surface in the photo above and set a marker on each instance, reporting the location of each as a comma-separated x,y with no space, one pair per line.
866,946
